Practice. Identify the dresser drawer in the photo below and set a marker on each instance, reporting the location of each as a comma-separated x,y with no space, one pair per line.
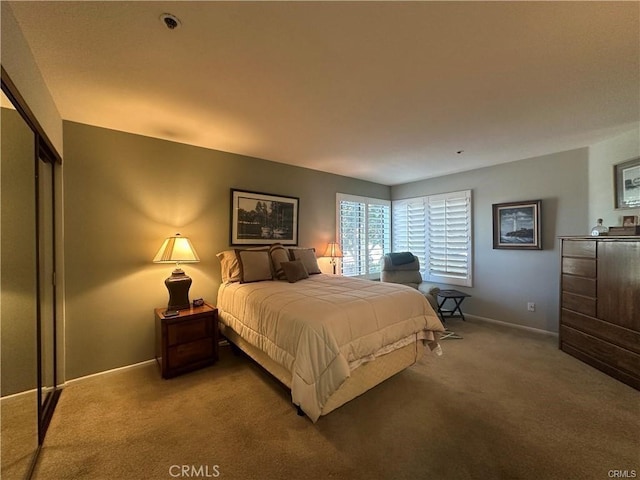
188,331
579,248
611,355
580,285
579,303
620,336
188,353
584,267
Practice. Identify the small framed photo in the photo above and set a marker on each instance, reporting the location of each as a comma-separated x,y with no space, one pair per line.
516,225
627,184
629,221
262,218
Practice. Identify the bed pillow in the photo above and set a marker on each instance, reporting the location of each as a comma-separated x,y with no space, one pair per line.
294,271
278,255
308,258
255,265
229,267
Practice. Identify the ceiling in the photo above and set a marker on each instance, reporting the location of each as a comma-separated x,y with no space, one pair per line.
390,92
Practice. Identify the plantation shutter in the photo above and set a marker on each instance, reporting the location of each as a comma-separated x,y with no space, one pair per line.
436,229
352,236
409,229
449,235
364,233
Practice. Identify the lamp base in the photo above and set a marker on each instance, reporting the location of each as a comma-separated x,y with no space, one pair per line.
178,285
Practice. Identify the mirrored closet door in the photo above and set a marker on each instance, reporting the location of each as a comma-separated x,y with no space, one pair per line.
28,383
18,295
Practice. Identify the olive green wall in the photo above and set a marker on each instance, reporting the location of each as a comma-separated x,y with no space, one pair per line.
19,63
124,194
18,247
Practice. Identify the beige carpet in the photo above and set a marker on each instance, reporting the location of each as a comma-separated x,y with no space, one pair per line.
500,404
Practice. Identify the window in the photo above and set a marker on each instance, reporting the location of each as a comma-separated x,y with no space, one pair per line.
437,229
364,233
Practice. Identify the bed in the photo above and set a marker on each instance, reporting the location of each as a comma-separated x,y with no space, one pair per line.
327,338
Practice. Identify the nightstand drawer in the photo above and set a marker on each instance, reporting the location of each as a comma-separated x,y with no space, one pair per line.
188,353
187,341
188,331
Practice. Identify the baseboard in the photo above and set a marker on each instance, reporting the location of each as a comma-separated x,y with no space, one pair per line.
512,325
33,391
113,370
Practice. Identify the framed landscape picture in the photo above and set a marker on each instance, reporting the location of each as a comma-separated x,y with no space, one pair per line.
627,184
516,225
262,218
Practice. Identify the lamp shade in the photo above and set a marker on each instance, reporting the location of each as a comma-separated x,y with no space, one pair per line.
176,249
333,250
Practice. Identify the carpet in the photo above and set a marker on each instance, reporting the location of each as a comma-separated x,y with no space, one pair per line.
501,403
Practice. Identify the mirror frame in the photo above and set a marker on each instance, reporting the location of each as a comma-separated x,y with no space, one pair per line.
44,150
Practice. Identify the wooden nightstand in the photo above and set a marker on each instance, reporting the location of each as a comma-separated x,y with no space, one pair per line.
188,341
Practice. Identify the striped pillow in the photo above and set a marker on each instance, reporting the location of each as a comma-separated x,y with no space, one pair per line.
278,255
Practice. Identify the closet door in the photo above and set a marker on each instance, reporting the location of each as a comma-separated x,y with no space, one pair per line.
46,293
18,295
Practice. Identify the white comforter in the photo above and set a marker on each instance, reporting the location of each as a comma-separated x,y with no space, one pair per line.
322,327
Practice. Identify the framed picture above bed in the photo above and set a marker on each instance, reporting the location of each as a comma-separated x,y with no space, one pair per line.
263,218
516,225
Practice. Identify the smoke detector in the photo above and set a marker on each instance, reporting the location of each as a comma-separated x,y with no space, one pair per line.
171,21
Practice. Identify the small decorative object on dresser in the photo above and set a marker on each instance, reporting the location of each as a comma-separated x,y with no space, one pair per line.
599,230
186,341
625,231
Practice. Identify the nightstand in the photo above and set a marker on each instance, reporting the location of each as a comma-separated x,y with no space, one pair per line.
187,341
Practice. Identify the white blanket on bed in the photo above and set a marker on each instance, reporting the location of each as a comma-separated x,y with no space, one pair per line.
321,327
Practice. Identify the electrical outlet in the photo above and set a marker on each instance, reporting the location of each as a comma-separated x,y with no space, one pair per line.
531,306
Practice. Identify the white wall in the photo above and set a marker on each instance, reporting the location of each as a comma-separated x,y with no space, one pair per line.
602,157
506,280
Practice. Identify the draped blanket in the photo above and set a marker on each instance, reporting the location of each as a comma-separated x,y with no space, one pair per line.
322,327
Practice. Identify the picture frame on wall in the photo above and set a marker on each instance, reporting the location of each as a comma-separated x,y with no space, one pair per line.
517,225
262,218
627,184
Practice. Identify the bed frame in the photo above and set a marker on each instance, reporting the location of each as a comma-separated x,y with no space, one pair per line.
363,378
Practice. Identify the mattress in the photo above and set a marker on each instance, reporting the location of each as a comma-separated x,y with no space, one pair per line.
322,329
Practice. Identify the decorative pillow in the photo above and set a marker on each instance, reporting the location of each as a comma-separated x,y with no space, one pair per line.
254,265
278,255
308,258
294,271
229,267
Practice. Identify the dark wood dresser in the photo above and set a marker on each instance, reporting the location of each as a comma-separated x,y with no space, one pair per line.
187,341
600,304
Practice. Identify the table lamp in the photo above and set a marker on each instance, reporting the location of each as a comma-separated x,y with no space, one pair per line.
179,250
333,250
